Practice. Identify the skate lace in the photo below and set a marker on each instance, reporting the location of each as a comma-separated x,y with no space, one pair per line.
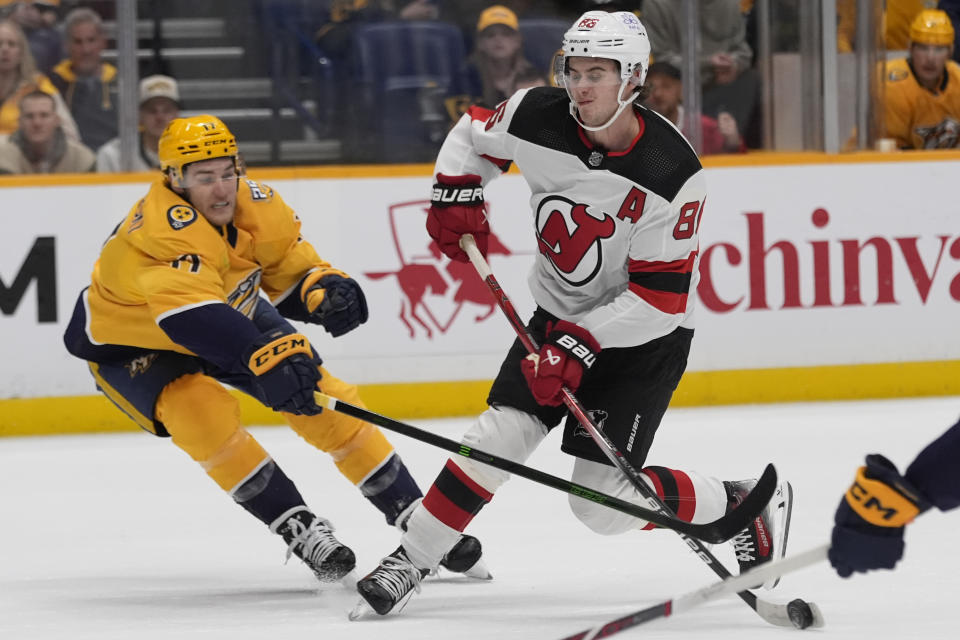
744,546
399,577
316,541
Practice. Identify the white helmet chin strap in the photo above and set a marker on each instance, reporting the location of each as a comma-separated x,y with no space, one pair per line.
623,105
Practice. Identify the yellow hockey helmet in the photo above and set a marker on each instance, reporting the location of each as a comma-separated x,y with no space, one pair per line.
933,27
187,140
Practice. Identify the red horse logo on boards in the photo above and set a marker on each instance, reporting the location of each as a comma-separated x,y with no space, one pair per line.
569,236
434,288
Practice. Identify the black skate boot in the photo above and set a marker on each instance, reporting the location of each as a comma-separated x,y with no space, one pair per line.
390,584
765,539
466,557
311,539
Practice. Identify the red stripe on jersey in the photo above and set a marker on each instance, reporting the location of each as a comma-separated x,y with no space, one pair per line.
665,301
661,300
684,265
468,481
686,496
658,487
446,511
479,113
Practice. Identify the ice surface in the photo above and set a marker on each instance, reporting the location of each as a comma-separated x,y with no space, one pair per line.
123,536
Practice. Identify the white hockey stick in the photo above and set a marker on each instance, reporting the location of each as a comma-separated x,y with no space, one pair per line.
692,599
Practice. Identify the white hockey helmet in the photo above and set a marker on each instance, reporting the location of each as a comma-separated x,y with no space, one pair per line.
618,36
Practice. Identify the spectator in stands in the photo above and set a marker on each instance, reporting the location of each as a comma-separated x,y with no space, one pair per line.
159,104
729,83
87,83
497,57
39,145
49,12
19,76
665,88
44,39
922,91
491,72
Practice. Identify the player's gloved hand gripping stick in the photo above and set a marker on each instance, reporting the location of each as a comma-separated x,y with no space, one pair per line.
772,613
285,371
868,531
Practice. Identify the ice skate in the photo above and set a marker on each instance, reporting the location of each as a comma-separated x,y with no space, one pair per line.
389,585
311,539
766,537
465,557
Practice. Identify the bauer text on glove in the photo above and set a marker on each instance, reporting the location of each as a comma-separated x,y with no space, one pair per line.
566,352
457,208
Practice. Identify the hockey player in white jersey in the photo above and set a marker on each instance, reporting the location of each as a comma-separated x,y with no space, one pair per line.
617,200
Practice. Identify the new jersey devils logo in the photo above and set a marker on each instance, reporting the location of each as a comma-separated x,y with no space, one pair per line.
569,236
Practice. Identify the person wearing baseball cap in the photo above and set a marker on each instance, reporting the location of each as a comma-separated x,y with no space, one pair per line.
159,104
490,75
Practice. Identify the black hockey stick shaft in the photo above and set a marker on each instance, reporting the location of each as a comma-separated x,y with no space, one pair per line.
469,245
692,599
714,532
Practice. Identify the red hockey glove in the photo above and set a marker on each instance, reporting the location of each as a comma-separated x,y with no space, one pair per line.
286,372
868,526
456,208
566,351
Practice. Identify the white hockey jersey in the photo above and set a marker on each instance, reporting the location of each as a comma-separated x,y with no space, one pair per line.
616,231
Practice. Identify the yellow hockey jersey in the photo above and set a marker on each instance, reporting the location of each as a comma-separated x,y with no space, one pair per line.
916,117
165,259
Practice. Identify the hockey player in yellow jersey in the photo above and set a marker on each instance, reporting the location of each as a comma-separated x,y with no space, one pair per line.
922,91
174,309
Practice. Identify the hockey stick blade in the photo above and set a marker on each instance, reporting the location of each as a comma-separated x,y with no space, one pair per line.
716,590
715,532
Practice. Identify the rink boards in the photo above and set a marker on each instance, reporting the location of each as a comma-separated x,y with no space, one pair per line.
821,278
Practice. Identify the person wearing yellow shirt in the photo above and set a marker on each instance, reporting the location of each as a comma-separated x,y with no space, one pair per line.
176,308
922,91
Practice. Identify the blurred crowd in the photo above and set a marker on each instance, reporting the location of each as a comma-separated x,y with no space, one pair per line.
58,93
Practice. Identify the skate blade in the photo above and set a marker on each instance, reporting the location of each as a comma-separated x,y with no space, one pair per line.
784,499
479,571
361,611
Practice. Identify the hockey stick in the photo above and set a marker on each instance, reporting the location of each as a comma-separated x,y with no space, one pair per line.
772,613
719,530
692,599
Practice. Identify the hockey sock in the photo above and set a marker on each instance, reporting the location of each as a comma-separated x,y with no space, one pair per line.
692,497
450,504
391,488
268,494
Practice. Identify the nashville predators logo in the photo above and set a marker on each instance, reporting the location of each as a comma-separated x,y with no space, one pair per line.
140,364
943,135
180,216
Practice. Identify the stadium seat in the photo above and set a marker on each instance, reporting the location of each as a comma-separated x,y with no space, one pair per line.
542,37
403,71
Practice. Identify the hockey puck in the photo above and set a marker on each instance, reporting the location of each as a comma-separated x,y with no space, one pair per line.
800,613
